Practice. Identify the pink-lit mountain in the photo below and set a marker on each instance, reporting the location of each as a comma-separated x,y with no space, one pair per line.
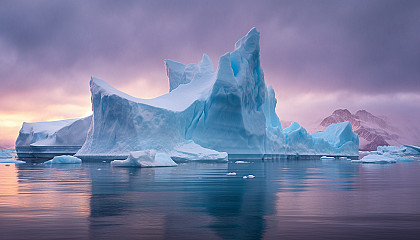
374,131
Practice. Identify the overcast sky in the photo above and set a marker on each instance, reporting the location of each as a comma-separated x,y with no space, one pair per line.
318,55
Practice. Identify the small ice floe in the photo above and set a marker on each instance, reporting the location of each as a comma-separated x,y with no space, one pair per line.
231,174
343,158
241,162
249,176
104,161
145,158
99,169
374,158
64,159
327,158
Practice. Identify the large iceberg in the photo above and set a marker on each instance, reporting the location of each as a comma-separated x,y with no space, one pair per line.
206,115
228,110
48,139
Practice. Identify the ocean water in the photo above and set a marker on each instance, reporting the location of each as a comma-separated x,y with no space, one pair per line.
287,199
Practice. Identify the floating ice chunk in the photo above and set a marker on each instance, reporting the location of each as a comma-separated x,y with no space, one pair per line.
11,161
343,158
240,162
231,174
64,159
374,158
145,158
327,158
251,176
190,151
245,177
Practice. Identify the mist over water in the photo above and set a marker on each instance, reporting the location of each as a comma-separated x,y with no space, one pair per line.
288,199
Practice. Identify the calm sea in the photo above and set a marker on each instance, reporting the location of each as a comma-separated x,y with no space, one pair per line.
287,199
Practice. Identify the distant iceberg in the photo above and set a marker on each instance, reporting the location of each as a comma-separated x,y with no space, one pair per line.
49,139
206,115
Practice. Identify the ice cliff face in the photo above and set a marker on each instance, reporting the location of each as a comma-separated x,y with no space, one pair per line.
229,110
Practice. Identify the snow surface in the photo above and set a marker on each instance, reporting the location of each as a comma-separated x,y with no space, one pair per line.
145,158
64,159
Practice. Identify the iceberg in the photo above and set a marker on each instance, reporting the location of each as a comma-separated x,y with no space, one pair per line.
64,159
49,139
145,158
206,115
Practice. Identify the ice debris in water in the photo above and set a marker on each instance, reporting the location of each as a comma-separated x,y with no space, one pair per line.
145,158
239,162
231,174
249,176
327,158
64,159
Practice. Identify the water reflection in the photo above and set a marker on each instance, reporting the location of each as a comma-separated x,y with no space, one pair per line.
287,199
